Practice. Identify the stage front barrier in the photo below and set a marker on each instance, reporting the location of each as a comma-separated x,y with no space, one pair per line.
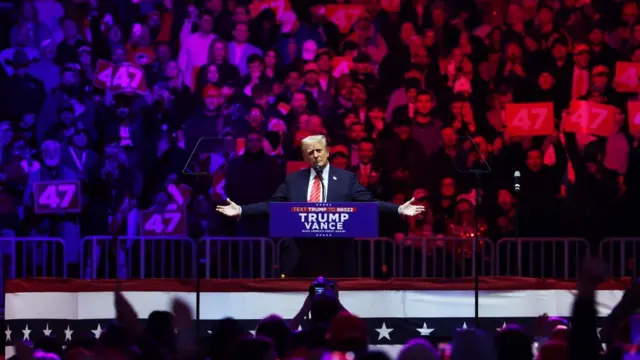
622,255
444,257
24,257
138,257
541,257
376,257
234,257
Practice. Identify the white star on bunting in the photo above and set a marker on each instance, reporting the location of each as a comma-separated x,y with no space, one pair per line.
384,332
253,332
504,325
464,326
425,331
210,332
67,333
47,331
26,333
97,332
7,334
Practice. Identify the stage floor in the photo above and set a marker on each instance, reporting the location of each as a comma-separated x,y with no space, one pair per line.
395,310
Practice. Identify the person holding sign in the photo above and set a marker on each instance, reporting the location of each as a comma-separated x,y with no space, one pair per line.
53,194
320,182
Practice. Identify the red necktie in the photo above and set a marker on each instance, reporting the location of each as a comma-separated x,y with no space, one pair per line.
316,190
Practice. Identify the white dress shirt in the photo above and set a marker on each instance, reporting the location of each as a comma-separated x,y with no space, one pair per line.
325,180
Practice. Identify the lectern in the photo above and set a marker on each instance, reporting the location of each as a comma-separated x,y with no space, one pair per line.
336,220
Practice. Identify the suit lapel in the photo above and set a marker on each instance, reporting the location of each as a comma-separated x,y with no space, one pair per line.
331,186
301,195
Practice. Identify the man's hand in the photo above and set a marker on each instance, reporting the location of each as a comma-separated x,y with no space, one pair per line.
408,209
232,209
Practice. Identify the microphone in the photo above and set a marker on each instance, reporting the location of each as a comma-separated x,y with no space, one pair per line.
319,170
516,181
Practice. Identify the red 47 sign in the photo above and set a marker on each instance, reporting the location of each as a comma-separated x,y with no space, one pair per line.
278,6
590,118
627,77
530,119
344,15
633,116
166,223
57,197
122,77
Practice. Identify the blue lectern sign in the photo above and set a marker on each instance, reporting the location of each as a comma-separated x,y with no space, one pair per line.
348,220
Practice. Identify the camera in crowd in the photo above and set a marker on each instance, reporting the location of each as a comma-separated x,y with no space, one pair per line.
322,286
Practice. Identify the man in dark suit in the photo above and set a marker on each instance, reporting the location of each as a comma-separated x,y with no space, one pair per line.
306,186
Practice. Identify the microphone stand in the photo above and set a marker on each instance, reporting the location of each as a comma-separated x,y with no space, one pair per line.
477,172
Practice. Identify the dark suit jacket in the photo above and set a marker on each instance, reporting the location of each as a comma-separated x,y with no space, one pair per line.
343,187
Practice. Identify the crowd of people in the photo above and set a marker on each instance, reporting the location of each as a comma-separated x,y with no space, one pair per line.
414,97
420,99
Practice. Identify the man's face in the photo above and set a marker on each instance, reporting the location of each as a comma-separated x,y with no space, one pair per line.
69,78
119,56
420,57
546,81
424,104
255,68
403,132
534,160
559,51
505,199
365,152
324,63
255,117
213,101
206,24
599,81
449,137
214,5
316,153
545,16
412,95
241,33
447,187
80,139
311,78
69,29
582,60
340,162
293,80
240,15
356,132
51,153
596,37
299,102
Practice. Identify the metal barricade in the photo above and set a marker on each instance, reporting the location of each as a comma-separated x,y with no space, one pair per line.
24,257
444,257
138,257
374,257
541,257
221,253
622,255
378,259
